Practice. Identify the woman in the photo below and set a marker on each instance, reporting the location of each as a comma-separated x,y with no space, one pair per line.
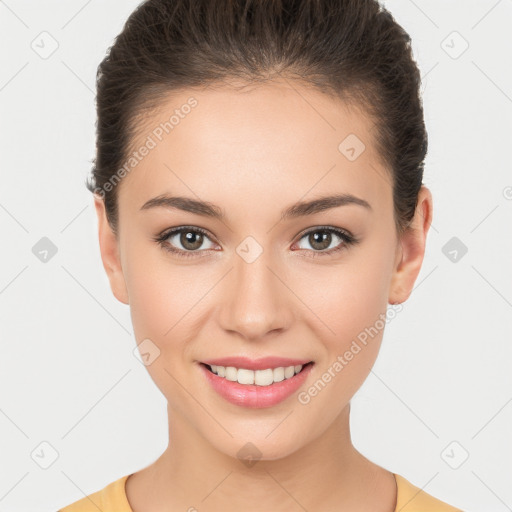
258,186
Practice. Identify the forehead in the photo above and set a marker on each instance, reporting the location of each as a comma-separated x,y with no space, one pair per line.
275,144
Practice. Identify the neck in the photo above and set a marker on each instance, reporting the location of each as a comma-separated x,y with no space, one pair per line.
326,474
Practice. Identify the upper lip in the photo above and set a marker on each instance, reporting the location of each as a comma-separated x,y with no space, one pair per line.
256,364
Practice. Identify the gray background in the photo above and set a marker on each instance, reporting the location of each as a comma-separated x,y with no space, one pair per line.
441,389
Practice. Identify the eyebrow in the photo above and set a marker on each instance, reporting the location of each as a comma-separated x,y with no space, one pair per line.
300,209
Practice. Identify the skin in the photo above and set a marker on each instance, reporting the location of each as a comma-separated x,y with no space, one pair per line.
253,153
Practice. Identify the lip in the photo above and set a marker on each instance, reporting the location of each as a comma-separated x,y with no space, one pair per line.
256,364
252,395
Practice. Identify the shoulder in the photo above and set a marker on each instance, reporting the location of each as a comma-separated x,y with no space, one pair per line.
112,498
412,499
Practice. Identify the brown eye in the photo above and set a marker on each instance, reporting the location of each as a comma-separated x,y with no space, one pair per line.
320,239
184,241
191,240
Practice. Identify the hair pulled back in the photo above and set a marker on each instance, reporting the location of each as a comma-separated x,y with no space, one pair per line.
350,49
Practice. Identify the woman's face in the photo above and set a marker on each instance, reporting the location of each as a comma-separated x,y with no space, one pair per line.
256,284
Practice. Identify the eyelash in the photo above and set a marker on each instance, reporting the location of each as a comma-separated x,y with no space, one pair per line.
347,238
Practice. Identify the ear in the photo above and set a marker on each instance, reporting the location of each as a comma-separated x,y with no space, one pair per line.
109,248
411,249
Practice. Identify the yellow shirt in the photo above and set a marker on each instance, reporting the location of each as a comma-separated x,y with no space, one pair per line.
112,498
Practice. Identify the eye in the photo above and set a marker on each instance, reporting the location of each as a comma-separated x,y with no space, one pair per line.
321,238
190,238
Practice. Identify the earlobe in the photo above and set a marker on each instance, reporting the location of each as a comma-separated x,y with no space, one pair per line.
411,250
109,250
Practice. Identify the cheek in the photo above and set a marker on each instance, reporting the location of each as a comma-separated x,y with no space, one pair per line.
152,303
347,298
164,301
162,294
349,307
349,302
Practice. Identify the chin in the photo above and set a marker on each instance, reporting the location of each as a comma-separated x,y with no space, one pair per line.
249,449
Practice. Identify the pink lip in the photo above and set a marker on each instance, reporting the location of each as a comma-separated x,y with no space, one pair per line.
256,364
252,395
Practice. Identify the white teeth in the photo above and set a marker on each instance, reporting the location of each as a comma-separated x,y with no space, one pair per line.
231,373
263,377
245,376
278,374
289,371
258,377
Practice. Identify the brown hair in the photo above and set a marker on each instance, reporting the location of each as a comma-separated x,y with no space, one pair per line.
351,49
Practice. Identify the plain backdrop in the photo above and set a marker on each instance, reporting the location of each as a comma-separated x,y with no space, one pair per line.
77,408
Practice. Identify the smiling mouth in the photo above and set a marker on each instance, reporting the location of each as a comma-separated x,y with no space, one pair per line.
264,377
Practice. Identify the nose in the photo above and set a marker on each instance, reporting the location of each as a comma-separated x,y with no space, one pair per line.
256,300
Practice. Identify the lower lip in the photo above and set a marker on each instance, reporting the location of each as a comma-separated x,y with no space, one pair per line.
252,395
